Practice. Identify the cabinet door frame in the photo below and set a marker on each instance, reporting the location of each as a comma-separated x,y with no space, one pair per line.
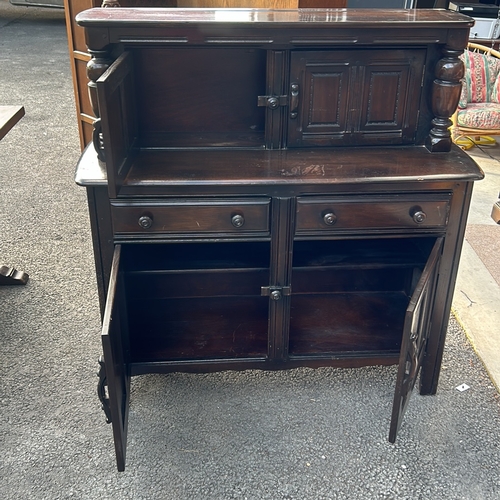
115,93
114,335
415,334
358,82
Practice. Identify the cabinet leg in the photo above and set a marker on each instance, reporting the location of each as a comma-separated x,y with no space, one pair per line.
11,276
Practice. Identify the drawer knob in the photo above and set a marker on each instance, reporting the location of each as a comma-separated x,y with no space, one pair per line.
419,217
145,221
329,219
237,220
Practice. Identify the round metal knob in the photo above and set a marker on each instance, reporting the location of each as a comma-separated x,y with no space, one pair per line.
329,219
145,222
276,295
273,102
419,217
237,220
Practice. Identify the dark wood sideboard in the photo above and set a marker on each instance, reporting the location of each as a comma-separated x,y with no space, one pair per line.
274,189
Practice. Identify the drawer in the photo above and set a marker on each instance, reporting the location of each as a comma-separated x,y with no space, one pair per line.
192,216
372,213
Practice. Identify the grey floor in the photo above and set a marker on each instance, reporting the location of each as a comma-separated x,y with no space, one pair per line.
301,434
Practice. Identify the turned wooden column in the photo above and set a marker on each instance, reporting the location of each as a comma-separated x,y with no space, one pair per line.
97,65
445,95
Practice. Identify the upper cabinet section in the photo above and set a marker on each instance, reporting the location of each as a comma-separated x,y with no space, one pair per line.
271,79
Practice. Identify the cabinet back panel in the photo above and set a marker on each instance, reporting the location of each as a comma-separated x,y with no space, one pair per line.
207,328
342,323
333,280
208,97
197,283
191,256
363,253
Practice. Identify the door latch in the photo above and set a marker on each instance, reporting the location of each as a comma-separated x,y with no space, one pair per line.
272,101
275,292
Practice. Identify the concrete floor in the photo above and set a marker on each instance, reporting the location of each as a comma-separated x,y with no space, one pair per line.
476,301
300,434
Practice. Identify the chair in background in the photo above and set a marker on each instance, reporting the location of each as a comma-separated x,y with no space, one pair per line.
477,118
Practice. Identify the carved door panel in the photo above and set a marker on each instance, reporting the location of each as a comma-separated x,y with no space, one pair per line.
319,96
415,334
114,372
353,97
115,93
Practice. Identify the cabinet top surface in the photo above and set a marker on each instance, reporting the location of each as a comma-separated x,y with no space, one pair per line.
378,18
355,166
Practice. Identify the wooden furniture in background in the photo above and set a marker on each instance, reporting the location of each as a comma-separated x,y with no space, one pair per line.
9,116
275,189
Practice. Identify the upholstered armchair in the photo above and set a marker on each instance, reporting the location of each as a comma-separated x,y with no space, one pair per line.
478,115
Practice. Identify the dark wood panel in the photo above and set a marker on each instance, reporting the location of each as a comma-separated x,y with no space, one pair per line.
116,89
418,317
412,212
199,255
354,18
238,217
313,166
198,328
324,80
391,95
116,377
362,253
343,323
355,97
328,280
196,283
189,97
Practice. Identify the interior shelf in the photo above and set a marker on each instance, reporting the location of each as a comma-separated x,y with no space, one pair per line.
198,328
362,253
346,323
351,295
195,256
196,301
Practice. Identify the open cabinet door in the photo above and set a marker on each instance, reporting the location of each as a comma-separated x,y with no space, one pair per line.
414,341
114,372
115,93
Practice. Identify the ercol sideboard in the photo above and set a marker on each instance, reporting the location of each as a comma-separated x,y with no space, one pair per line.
274,189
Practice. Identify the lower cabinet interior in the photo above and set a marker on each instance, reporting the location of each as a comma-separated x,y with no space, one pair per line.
202,301
196,300
349,297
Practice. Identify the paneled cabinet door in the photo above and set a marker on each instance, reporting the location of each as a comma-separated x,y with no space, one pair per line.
350,97
114,375
415,334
